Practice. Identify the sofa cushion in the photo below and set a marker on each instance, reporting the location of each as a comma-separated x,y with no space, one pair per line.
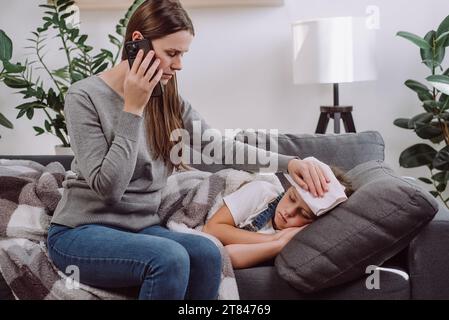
380,219
264,283
344,151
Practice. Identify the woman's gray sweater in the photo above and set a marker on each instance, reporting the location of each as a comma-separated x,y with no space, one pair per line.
116,181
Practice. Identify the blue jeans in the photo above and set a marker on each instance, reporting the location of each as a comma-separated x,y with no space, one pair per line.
166,265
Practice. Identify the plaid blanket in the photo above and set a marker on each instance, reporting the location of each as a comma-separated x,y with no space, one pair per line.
30,192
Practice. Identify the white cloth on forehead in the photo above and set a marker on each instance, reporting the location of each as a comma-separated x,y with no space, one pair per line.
331,199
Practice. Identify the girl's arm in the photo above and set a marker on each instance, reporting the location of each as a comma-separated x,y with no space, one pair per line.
222,226
249,255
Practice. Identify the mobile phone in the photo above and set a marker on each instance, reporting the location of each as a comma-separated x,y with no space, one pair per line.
132,48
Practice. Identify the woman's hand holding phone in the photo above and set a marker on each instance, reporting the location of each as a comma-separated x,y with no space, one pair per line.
139,82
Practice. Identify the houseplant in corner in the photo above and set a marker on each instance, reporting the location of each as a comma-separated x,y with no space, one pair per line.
433,123
5,56
80,62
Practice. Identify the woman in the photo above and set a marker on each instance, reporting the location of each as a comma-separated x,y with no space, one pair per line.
106,223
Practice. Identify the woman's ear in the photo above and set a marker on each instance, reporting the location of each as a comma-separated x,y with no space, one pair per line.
137,36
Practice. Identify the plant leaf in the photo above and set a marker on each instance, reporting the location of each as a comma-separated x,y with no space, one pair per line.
30,113
432,58
402,123
426,131
435,106
101,68
422,90
425,180
48,6
39,131
82,39
441,161
15,83
420,42
65,6
115,41
47,126
417,156
435,194
13,68
422,118
444,27
441,176
5,47
442,38
441,187
61,73
440,82
416,86
5,122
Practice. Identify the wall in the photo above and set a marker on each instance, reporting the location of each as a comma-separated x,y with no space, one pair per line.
238,71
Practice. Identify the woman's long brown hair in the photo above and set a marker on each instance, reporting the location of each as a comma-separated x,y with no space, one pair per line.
155,19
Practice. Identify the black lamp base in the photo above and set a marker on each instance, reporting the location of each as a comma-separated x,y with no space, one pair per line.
336,112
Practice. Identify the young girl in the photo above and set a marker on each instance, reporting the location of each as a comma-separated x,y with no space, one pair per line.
107,221
257,221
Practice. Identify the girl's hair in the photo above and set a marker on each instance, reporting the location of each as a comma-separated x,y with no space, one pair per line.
155,20
341,177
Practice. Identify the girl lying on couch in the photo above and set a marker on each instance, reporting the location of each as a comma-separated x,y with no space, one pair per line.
257,221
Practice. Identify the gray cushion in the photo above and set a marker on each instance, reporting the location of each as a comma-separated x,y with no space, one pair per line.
380,219
264,283
345,150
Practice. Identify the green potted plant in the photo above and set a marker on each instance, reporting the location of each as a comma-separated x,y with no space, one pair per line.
5,56
433,123
81,62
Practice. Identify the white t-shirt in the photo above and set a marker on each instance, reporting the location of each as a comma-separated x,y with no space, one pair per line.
250,200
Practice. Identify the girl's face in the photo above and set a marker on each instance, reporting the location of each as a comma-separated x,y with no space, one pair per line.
292,211
170,50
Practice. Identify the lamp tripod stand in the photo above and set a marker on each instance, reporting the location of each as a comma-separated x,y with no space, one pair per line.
337,113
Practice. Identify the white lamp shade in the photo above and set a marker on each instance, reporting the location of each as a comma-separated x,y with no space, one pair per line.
333,50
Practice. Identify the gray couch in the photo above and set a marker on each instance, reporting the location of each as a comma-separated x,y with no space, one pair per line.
424,261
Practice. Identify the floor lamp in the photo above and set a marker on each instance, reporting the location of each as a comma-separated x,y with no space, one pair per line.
334,51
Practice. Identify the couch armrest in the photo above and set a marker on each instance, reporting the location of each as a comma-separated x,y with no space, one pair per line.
428,259
43,159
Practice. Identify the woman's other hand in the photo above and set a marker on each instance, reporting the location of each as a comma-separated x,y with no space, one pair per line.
139,84
309,175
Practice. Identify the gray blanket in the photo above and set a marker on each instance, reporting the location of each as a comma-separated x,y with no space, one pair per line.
29,193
